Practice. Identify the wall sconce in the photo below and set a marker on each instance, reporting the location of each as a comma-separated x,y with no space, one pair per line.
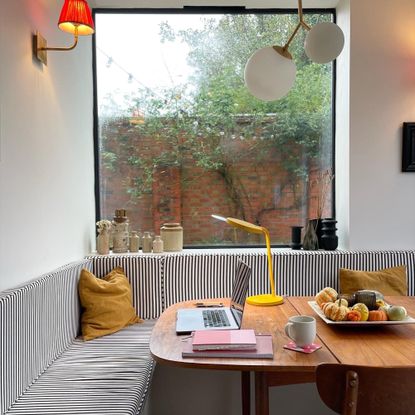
270,72
75,18
260,299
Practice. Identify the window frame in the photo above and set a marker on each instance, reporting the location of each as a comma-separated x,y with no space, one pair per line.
206,10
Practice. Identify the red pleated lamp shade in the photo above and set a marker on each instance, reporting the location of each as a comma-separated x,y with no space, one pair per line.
76,13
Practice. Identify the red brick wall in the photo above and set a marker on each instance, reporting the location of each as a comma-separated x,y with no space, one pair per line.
188,194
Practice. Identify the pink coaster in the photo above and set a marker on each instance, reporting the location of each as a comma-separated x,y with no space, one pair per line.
308,349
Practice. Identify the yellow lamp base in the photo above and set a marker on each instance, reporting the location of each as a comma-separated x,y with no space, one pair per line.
265,300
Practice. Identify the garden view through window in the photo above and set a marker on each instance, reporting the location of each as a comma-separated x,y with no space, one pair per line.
180,137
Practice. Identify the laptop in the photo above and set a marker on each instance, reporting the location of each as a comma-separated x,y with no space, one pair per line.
218,318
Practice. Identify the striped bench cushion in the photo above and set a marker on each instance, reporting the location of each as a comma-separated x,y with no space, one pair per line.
38,321
108,375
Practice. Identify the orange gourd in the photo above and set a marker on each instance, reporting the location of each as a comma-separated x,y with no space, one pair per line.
334,312
326,295
377,315
354,315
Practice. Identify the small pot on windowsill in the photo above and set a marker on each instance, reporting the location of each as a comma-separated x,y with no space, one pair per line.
329,239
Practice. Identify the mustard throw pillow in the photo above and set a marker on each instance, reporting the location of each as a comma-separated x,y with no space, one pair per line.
389,281
107,303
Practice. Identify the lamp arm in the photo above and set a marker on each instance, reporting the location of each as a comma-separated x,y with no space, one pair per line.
301,23
301,15
270,270
285,47
64,48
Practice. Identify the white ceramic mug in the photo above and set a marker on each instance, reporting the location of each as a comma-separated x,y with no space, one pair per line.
301,330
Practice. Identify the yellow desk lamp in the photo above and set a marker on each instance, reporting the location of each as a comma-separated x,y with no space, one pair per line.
261,299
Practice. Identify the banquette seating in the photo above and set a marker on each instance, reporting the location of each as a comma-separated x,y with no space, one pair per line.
46,368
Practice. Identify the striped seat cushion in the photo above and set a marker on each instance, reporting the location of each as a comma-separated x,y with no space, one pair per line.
108,375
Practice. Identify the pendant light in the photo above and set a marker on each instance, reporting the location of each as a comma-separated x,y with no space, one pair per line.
270,72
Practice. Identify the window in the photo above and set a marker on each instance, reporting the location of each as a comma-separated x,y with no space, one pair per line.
179,137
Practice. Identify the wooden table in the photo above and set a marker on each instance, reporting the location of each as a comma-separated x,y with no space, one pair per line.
375,346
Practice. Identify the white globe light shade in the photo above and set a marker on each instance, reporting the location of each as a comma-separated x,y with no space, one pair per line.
268,75
324,42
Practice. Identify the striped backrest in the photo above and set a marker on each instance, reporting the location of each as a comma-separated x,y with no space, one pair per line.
37,322
189,276
145,276
159,281
193,275
307,272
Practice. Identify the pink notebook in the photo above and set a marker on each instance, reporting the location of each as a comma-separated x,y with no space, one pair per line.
224,340
264,350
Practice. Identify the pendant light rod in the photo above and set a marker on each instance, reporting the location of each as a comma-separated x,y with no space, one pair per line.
301,15
301,23
285,47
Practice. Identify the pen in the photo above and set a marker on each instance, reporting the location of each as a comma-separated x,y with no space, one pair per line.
209,304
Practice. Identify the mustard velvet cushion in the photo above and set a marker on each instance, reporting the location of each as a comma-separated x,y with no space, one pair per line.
389,281
107,303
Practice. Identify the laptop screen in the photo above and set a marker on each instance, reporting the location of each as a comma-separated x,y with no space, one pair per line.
240,290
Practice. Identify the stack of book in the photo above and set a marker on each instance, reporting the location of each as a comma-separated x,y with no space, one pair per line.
228,343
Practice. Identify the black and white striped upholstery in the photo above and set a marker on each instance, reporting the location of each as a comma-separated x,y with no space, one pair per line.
45,370
145,276
108,375
193,274
306,272
206,275
38,321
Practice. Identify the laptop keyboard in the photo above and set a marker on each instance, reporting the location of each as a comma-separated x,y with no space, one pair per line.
215,318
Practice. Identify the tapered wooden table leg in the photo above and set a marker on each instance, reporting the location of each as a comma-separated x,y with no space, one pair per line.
261,394
246,392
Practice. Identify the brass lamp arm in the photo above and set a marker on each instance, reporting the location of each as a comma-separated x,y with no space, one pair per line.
301,23
41,47
63,48
270,269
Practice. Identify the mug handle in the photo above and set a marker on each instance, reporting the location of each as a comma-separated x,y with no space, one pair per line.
287,330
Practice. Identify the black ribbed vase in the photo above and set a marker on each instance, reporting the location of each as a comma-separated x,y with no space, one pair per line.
296,237
329,239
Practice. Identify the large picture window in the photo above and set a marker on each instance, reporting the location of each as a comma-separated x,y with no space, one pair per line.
179,137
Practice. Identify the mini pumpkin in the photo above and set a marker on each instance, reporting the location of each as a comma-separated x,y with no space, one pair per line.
342,301
353,315
377,315
362,308
335,312
326,295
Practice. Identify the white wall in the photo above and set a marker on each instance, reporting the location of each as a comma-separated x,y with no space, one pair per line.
376,199
342,158
46,146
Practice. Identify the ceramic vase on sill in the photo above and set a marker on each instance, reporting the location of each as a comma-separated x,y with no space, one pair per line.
310,241
120,233
296,237
329,239
103,243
